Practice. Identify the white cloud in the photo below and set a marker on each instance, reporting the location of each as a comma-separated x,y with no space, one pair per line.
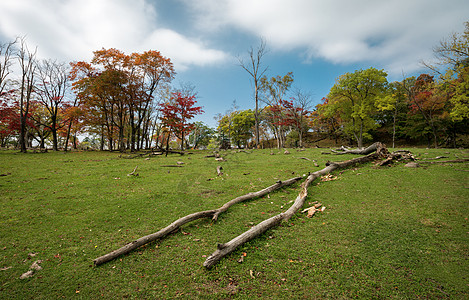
73,29
342,31
182,51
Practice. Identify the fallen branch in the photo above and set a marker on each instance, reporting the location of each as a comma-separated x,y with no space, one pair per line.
365,151
434,158
461,160
227,248
189,218
133,172
219,172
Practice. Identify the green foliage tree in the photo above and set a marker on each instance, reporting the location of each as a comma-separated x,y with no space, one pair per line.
238,126
201,135
355,96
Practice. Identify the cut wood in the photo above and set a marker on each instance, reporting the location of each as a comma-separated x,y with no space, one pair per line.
313,209
189,218
227,248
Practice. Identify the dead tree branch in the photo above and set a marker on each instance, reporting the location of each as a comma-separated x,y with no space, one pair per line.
133,172
189,218
365,151
227,248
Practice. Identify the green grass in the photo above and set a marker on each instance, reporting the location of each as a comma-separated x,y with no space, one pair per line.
390,232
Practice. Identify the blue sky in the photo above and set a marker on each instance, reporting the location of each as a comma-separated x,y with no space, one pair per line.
317,40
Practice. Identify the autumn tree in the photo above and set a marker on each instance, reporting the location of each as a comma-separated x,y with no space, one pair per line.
325,119
149,71
275,91
355,97
7,115
177,113
297,111
118,90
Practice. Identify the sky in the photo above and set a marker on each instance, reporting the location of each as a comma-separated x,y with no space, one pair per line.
317,40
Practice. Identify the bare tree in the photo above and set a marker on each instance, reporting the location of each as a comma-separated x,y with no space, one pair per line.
255,69
52,91
27,61
301,108
6,51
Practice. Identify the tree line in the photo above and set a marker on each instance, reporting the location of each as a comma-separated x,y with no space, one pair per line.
126,102
123,101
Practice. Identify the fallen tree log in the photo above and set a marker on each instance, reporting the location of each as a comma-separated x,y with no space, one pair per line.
368,150
255,231
189,218
459,160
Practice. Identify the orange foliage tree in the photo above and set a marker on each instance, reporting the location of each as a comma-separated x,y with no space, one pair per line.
116,91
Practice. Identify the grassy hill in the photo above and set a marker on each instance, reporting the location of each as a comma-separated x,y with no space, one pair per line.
390,232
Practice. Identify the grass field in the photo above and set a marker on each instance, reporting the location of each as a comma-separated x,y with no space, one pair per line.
390,232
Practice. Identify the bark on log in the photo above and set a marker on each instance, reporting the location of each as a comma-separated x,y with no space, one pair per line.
365,151
189,218
227,248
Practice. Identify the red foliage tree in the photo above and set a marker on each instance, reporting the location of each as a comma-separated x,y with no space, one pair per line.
177,113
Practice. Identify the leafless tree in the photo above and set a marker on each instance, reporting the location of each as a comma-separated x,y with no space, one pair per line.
27,62
256,71
301,108
6,52
52,89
